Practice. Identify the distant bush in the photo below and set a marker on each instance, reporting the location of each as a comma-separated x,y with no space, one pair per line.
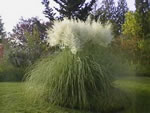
137,53
143,66
10,73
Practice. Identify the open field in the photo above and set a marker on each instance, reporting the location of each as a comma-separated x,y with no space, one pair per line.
12,98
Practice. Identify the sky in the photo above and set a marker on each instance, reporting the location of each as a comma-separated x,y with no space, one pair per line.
12,10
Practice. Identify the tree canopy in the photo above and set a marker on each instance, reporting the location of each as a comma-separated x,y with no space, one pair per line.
77,9
48,11
2,32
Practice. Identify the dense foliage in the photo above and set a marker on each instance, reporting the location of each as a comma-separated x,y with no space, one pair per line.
48,11
2,31
78,9
143,8
109,12
27,42
9,72
121,10
132,27
136,42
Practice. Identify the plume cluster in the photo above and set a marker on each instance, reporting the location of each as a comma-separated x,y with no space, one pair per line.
74,34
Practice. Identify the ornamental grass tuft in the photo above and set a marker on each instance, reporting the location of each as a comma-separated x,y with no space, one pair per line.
74,77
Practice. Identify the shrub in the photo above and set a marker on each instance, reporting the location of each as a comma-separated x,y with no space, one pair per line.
136,51
143,66
75,76
10,73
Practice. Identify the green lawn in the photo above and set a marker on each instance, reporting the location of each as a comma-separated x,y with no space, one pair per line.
138,90
12,99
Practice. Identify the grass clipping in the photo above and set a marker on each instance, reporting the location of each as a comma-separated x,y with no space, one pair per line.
72,77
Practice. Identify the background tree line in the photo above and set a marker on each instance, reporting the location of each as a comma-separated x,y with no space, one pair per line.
27,41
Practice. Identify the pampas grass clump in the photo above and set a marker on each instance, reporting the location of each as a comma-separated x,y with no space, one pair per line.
72,77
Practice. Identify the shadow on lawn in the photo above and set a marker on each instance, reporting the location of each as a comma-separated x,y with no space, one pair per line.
139,93
142,102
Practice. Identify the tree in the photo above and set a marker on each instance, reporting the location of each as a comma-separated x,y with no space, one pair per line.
27,42
77,9
27,25
48,11
143,7
132,27
121,10
2,32
106,12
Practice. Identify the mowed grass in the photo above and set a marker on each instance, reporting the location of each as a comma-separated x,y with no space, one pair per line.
12,99
138,90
